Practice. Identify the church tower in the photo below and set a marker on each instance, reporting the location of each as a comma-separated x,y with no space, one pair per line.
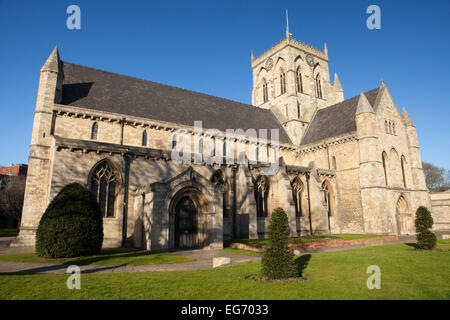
293,81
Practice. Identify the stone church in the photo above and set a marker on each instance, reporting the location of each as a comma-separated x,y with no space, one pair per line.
343,165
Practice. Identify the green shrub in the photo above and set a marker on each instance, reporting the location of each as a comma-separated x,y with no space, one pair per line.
426,239
71,226
278,259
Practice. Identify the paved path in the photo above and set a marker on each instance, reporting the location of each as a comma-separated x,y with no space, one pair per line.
203,260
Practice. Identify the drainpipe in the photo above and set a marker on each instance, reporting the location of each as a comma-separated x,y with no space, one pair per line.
126,158
309,204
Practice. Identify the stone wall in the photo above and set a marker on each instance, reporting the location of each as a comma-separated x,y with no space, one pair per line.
440,210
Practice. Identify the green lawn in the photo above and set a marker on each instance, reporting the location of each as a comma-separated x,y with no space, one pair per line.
106,257
313,238
8,232
405,274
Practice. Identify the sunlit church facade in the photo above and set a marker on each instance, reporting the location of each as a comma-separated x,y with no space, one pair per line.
343,165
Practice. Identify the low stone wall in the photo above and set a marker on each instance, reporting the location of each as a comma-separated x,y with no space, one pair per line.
316,245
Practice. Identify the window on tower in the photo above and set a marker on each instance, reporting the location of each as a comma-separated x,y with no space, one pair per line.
283,82
299,81
265,92
318,87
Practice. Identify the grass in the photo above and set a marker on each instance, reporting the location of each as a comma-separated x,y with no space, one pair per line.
242,252
313,238
106,257
406,273
8,232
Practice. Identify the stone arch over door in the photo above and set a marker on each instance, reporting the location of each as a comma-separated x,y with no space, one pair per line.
403,217
190,219
207,198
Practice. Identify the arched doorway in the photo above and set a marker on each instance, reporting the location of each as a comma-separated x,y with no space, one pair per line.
189,219
403,217
186,228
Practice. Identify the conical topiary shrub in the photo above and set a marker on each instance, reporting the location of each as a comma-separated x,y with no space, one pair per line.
426,239
278,259
71,226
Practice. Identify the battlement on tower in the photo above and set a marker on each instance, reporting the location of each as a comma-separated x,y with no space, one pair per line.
289,41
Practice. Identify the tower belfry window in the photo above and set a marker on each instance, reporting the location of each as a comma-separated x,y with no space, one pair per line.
265,92
283,82
299,80
318,87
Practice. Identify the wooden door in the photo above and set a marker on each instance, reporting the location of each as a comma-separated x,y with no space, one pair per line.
186,224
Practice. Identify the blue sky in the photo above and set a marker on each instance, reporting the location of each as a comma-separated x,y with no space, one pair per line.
205,46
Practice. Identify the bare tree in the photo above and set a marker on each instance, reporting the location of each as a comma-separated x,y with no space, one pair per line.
12,192
437,179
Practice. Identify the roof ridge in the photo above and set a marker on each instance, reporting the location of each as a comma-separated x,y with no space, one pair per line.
346,100
163,84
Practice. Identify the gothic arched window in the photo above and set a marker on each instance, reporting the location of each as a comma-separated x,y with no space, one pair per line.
318,87
144,138
299,81
174,142
94,131
103,184
283,82
261,196
265,92
393,128
386,127
403,161
200,146
297,190
384,160
218,178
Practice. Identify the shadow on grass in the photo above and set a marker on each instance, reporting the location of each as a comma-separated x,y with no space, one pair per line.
414,245
302,263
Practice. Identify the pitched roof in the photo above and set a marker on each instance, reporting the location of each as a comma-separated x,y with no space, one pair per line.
336,119
105,91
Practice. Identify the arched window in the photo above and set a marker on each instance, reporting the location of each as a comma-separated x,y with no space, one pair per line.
318,87
297,190
265,92
218,178
103,184
386,127
403,161
174,142
224,147
384,160
393,128
283,82
390,127
94,131
298,110
200,146
261,196
333,162
144,138
299,81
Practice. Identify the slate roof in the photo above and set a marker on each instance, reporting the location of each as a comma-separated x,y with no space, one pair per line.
336,119
105,91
